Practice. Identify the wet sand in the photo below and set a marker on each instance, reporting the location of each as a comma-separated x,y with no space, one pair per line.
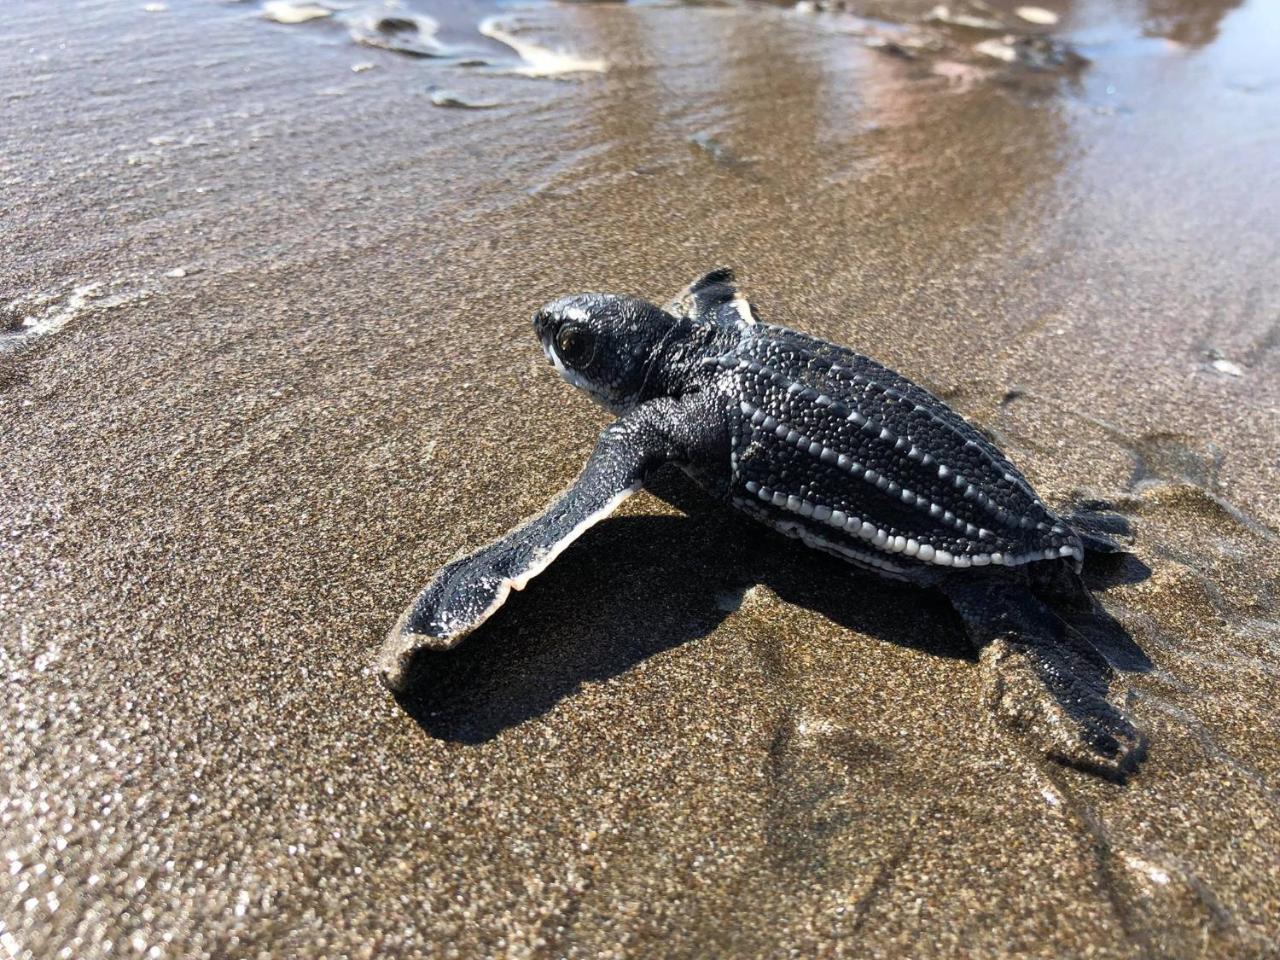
268,366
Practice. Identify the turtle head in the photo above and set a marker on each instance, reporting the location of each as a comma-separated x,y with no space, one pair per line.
606,345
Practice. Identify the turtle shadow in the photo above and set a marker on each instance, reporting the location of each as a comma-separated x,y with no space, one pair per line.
616,598
636,586
630,589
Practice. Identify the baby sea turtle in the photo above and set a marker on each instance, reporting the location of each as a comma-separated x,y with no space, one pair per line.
826,446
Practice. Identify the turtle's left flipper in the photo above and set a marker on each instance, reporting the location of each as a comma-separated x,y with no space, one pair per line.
1100,528
1047,680
468,591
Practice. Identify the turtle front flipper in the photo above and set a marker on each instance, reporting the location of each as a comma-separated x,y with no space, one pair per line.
1046,680
468,591
713,298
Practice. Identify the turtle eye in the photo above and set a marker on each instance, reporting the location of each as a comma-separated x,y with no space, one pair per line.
575,345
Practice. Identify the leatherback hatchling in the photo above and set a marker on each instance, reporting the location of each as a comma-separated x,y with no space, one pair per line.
823,445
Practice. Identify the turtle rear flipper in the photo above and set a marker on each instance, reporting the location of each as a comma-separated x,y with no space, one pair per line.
1099,528
1046,681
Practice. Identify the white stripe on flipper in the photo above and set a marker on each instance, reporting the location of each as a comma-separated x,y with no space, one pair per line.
563,543
540,563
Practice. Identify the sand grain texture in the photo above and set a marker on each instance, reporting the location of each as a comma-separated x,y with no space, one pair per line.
302,378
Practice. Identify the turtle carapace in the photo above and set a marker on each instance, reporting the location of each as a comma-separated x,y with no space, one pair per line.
821,444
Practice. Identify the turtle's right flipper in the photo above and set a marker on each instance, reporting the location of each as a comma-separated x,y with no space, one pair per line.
468,591
1047,681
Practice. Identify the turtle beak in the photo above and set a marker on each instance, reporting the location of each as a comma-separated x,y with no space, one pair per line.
546,320
543,325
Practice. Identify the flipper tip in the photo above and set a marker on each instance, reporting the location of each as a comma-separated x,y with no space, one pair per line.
397,652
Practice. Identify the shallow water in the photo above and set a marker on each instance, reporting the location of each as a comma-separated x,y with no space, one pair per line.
266,365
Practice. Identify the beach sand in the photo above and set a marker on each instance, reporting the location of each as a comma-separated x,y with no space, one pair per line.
268,365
